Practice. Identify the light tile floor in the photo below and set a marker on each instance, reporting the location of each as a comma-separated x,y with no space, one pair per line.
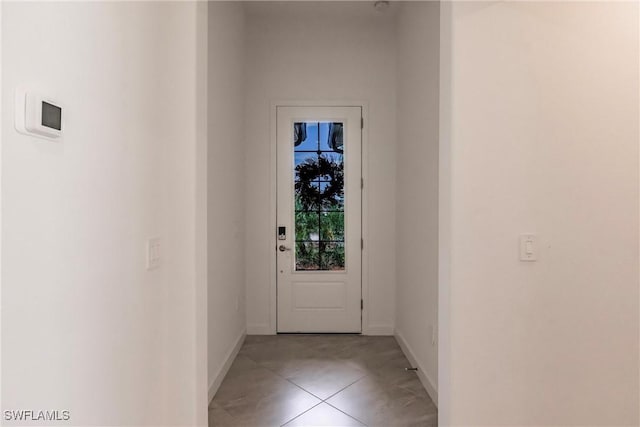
321,380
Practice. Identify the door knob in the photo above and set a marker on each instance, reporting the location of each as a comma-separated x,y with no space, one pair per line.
283,248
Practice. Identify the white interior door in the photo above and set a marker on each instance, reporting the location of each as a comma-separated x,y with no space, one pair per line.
319,212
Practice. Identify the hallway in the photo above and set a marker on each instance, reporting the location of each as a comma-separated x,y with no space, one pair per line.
321,380
454,184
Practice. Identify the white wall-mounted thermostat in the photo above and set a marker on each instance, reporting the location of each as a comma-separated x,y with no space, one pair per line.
38,115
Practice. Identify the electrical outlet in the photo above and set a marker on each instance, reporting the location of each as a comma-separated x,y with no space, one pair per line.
153,254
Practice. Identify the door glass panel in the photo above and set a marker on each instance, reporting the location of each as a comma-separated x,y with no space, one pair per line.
307,227
305,136
307,256
319,196
332,257
304,156
332,226
331,137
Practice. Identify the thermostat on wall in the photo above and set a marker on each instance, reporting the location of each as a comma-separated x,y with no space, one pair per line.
37,115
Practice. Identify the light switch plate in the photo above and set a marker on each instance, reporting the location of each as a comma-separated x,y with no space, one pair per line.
528,247
153,253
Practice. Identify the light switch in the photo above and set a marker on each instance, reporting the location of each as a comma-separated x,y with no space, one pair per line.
153,254
528,247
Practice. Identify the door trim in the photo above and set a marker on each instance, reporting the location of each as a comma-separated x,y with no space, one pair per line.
272,328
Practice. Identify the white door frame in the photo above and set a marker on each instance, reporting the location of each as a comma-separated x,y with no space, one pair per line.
273,302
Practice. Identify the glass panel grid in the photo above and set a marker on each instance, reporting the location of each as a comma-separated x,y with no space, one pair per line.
319,196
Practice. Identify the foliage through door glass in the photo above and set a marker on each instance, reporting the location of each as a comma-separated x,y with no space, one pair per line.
319,196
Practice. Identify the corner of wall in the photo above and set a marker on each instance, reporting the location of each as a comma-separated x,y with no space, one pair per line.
216,380
380,329
427,382
444,213
259,329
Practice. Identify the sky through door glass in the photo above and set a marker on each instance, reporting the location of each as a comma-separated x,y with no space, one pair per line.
319,196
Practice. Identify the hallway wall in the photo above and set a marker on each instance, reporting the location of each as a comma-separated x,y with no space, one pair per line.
333,51
418,38
226,186
85,327
543,109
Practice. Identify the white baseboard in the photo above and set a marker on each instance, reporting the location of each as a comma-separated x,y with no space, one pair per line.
428,384
259,329
379,330
376,329
231,356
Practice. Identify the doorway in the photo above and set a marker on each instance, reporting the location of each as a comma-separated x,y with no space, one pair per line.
319,219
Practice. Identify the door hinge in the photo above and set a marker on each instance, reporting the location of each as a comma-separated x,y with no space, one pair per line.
361,243
361,304
361,182
361,122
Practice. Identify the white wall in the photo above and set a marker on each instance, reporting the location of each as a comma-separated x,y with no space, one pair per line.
84,326
544,138
308,51
226,307
418,38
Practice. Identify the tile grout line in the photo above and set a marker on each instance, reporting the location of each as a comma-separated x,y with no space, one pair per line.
290,382
286,379
366,373
344,388
317,397
349,415
307,391
324,400
340,391
302,413
299,386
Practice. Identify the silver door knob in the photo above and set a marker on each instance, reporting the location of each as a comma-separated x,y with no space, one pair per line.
283,248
